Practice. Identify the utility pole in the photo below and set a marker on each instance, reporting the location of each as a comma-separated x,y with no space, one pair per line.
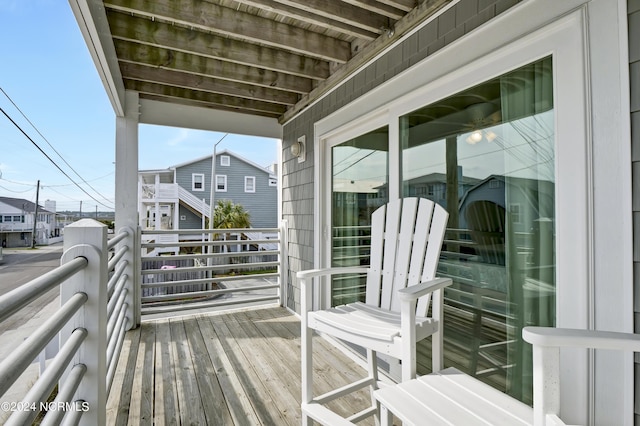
96,212
80,209
35,216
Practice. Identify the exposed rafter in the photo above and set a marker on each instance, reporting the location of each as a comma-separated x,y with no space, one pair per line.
270,58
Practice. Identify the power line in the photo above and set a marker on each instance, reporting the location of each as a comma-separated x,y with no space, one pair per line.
17,192
90,180
50,159
51,146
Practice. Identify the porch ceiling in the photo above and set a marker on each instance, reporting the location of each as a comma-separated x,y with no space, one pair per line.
267,58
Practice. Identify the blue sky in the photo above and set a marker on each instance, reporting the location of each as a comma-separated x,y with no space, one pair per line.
46,70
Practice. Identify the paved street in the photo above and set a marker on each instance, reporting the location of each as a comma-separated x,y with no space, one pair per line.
18,267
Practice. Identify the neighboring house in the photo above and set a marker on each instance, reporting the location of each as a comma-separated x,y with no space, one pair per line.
16,223
179,197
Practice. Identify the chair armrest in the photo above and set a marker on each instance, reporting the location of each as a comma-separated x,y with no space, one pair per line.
567,337
416,291
311,273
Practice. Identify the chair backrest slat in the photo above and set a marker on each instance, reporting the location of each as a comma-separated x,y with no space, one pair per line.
406,238
436,236
374,276
391,230
403,253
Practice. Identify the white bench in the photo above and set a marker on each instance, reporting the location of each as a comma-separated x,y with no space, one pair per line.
452,397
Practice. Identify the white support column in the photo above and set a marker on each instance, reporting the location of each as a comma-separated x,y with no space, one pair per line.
127,197
88,238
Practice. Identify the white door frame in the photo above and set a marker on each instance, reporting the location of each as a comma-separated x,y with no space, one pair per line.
529,32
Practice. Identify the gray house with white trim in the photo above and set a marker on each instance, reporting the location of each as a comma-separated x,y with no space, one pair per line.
180,195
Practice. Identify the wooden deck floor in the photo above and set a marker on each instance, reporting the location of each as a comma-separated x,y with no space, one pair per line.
237,368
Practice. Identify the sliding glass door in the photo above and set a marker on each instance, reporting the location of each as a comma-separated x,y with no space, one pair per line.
487,154
359,179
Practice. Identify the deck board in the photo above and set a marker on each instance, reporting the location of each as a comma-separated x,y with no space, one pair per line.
231,368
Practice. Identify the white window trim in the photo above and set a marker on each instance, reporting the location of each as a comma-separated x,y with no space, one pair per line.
193,182
225,160
248,179
532,30
225,183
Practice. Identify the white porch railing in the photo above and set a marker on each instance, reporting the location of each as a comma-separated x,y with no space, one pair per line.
90,325
213,269
161,191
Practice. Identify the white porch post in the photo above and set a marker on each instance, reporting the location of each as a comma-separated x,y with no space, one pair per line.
127,198
88,238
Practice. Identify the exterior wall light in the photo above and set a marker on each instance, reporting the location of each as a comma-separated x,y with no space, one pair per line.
299,150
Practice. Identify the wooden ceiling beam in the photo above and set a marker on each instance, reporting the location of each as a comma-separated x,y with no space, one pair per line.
424,10
362,29
141,30
200,65
239,25
194,103
233,103
206,84
383,8
405,5
342,12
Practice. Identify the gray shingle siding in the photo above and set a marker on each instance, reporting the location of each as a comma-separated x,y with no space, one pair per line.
633,9
262,204
297,178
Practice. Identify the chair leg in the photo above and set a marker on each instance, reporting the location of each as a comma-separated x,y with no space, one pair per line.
372,366
307,365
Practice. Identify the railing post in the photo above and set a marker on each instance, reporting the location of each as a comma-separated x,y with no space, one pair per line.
88,238
132,271
284,262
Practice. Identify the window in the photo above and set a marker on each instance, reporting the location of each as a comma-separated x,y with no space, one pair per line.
197,182
514,211
491,164
359,175
249,184
7,218
17,219
221,183
225,160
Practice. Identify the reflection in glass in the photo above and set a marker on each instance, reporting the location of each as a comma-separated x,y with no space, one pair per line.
487,155
359,178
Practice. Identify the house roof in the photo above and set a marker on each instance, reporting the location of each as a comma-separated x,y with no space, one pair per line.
225,152
260,58
20,203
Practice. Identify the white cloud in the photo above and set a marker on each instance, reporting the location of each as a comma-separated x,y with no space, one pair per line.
183,135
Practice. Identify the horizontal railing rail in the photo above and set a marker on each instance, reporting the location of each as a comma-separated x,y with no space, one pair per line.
76,324
222,267
88,325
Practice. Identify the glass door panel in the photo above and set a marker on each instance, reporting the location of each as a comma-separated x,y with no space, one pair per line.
487,155
359,179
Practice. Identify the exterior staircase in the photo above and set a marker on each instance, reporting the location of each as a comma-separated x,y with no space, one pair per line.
193,202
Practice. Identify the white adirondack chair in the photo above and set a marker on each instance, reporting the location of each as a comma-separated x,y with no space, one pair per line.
452,397
547,342
406,238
